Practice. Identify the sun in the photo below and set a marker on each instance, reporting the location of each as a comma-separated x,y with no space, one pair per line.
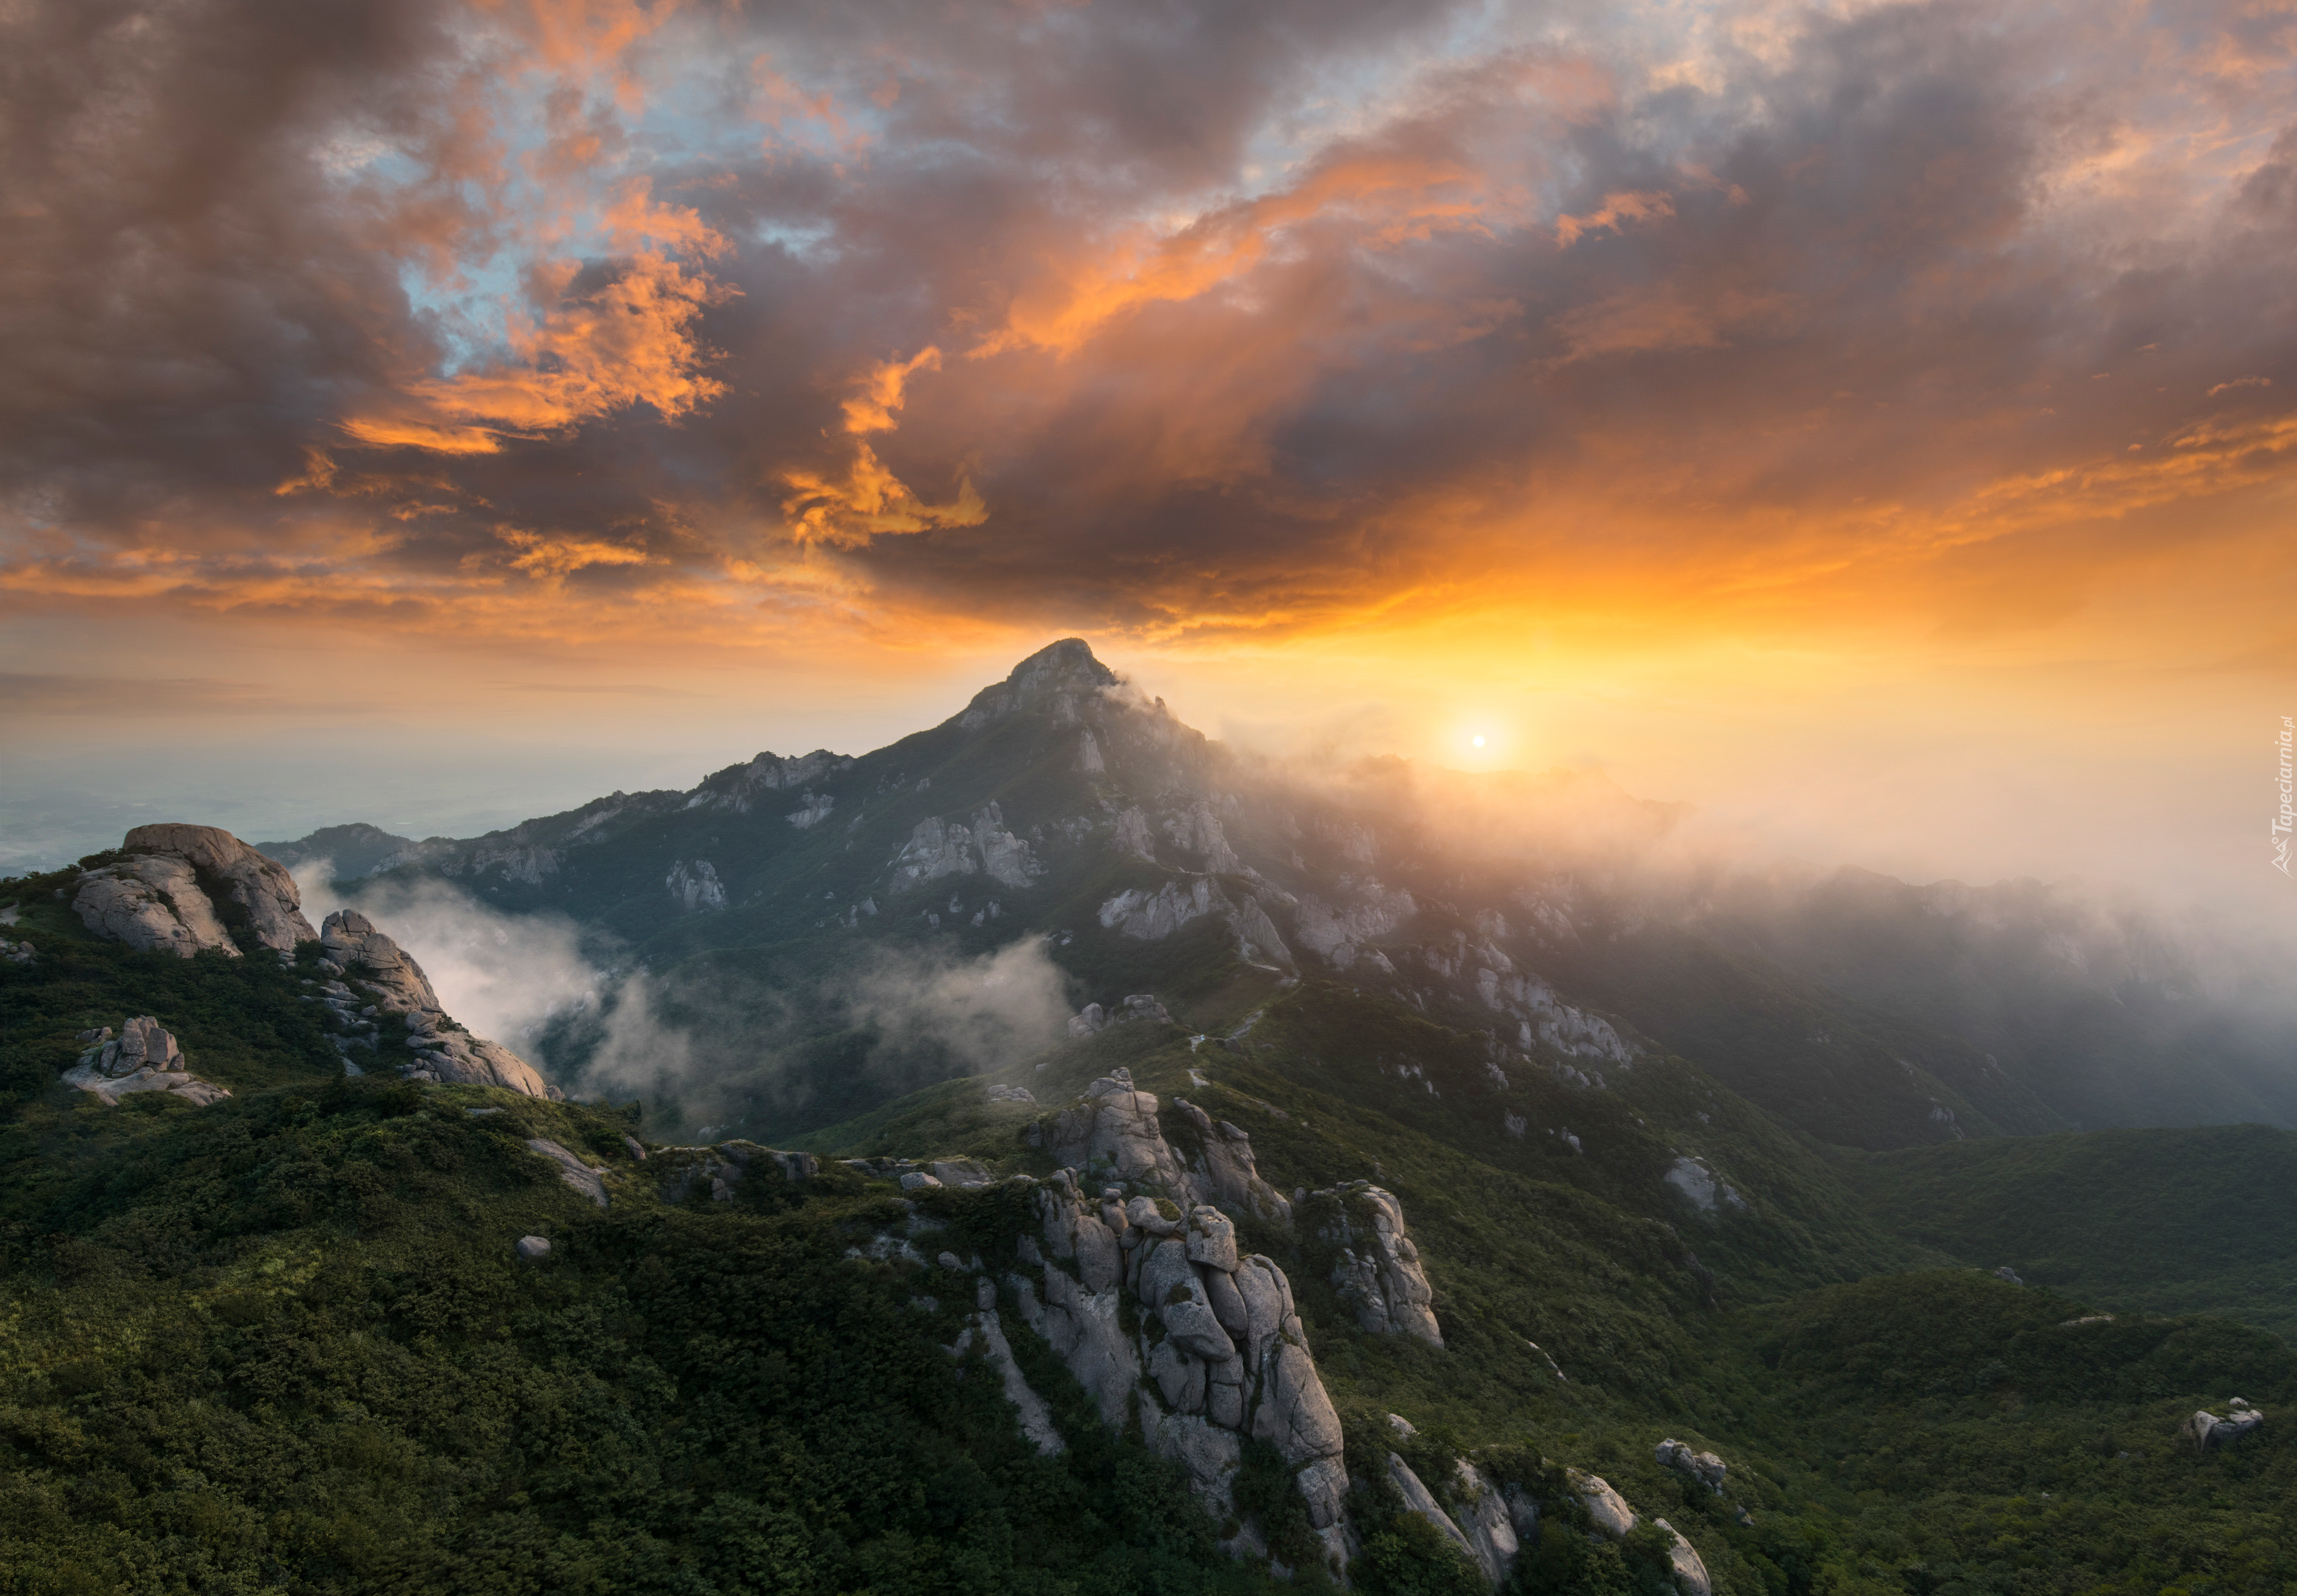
1477,739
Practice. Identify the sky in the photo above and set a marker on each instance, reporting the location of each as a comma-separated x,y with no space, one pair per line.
1874,424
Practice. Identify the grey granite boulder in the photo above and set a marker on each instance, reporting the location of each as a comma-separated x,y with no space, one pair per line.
1691,1577
1606,1506
380,975
151,902
1114,1132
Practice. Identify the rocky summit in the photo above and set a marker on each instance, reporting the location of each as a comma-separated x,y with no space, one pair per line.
1056,1152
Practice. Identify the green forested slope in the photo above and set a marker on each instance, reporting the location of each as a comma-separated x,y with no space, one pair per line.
280,1344
1916,1432
2200,1220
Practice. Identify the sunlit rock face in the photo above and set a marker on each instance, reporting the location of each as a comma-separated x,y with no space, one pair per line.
182,887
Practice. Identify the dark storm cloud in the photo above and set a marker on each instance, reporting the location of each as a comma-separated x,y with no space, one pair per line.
1172,315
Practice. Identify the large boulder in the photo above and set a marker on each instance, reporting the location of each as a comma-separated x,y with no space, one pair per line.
375,972
260,886
179,886
1113,1133
151,902
1604,1505
1690,1569
350,939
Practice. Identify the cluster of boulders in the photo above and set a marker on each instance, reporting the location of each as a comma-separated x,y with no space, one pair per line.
1113,1133
1134,1285
1137,1282
1704,1467
1491,1522
1134,1277
2207,1431
17,952
1611,1514
143,1057
938,848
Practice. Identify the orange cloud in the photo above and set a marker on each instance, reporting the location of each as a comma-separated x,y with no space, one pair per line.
1388,199
560,556
629,342
1631,206
872,408
867,501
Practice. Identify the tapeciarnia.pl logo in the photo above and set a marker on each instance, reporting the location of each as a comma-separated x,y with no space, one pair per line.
2287,818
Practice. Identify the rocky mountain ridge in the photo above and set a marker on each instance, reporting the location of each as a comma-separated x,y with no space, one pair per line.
187,889
1061,802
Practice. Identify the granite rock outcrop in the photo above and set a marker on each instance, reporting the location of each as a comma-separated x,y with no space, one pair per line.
2206,1431
181,888
1145,1294
1378,1273
144,1057
372,976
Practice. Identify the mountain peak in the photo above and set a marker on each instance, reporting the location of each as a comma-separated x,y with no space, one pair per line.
1058,674
1068,663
